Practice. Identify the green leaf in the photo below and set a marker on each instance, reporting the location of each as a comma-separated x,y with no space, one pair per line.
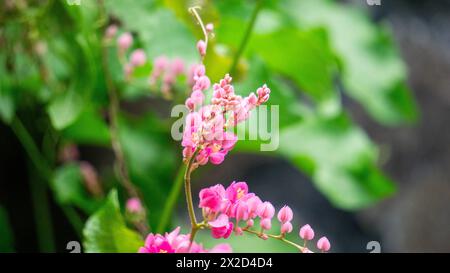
303,56
373,72
69,188
339,157
88,128
65,109
6,234
106,232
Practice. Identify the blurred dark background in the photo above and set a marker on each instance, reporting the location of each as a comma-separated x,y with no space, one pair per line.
416,219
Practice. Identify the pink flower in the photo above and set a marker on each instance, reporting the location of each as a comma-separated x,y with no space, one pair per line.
201,47
177,66
221,248
286,227
217,158
174,242
209,27
212,197
134,205
236,191
306,233
241,211
253,204
285,214
266,210
202,83
266,223
221,227
124,41
138,57
323,244
110,32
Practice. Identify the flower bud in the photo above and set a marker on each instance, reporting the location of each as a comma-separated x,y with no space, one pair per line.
286,227
285,214
266,223
323,244
201,47
306,233
124,41
138,57
266,210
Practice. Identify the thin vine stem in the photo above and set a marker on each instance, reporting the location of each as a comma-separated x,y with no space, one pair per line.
246,37
113,111
277,237
189,202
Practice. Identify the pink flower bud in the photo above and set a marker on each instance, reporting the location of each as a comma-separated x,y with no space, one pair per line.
201,47
90,178
250,222
286,227
266,210
209,27
238,231
323,244
197,97
241,211
266,223
111,31
138,57
252,99
202,83
177,66
306,233
124,41
285,214
134,205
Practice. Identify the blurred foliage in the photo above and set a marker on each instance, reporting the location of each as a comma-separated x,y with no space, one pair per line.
106,232
51,60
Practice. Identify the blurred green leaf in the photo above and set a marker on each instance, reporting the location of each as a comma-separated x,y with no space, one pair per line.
69,188
106,232
65,108
339,157
305,58
6,234
171,38
373,72
88,128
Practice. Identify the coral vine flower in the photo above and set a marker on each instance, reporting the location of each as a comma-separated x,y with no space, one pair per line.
177,243
221,227
212,197
323,244
306,232
207,129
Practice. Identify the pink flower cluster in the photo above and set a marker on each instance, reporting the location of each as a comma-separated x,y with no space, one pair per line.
124,42
174,242
165,73
220,206
207,129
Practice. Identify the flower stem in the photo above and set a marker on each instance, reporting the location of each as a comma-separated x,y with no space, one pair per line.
277,237
188,192
113,110
246,37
